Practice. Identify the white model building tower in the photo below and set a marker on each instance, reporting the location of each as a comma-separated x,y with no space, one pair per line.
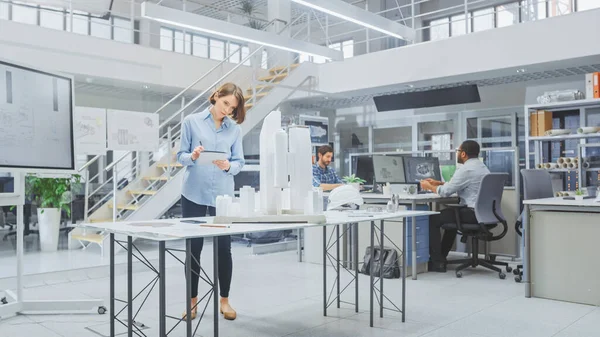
285,162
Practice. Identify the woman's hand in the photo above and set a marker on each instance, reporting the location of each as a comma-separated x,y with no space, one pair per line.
196,152
223,164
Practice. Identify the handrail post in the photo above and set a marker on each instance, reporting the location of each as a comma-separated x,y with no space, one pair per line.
170,151
115,183
86,203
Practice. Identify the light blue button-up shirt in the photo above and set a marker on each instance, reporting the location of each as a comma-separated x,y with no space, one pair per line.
203,183
465,182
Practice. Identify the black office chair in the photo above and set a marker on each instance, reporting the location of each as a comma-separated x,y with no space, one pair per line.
488,212
537,184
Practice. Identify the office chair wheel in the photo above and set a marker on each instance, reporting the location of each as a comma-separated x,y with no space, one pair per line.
502,275
101,310
458,274
509,269
516,271
518,279
3,300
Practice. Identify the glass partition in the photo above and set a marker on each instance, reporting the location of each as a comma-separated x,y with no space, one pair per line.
392,139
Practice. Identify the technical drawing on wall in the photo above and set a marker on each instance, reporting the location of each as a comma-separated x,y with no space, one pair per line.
132,131
90,130
36,118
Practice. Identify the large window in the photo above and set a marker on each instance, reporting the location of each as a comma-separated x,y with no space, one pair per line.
200,46
81,24
440,29
122,30
53,18
559,7
100,28
178,48
166,39
4,7
483,19
457,26
507,15
583,5
24,13
535,11
245,53
217,49
235,49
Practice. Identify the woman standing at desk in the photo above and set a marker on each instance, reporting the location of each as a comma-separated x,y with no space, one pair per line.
214,129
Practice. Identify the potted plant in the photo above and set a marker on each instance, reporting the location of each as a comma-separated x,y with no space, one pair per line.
353,180
51,195
578,195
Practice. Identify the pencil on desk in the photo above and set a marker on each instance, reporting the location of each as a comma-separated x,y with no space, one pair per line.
216,226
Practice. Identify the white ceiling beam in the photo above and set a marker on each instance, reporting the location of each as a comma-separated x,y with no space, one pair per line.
361,17
232,31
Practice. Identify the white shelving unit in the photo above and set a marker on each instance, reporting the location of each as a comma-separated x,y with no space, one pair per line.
582,106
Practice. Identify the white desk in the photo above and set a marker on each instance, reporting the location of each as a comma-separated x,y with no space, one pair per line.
559,258
166,230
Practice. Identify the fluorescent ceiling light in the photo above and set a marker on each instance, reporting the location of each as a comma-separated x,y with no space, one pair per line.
232,31
361,17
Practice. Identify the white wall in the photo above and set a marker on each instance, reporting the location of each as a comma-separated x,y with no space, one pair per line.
85,55
471,57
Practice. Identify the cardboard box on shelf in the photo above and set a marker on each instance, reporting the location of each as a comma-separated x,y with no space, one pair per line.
544,122
533,124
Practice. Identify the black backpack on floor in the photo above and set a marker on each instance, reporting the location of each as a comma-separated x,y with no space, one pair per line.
372,264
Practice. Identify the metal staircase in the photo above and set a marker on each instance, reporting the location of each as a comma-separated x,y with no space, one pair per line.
143,194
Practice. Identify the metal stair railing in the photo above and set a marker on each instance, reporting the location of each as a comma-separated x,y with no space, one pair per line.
168,138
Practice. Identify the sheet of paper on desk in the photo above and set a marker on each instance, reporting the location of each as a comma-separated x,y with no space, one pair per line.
207,157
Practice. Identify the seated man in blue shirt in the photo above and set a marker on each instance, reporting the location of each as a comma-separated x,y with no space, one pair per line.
465,183
324,176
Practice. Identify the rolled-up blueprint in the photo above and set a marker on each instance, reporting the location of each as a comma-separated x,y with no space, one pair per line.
588,129
557,132
539,166
572,165
568,160
564,165
561,160
550,166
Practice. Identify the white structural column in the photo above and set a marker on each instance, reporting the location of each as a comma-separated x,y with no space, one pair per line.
281,10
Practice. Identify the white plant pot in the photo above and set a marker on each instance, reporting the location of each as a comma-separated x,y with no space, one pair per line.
579,197
355,185
49,225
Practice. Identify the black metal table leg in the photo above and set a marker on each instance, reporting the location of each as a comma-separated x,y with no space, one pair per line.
216,285
112,285
324,271
355,239
381,269
129,286
372,278
162,290
188,286
337,244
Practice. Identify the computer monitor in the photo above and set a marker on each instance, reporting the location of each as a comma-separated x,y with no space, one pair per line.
419,168
363,168
389,169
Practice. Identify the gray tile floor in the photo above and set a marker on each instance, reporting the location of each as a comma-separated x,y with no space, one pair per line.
277,296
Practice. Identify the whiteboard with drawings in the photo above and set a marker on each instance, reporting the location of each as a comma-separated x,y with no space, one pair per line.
90,130
36,119
132,131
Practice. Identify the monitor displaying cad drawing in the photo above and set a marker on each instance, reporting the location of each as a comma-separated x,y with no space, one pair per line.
36,119
319,128
389,169
419,168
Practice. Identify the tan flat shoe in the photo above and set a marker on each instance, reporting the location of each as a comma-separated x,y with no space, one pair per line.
228,312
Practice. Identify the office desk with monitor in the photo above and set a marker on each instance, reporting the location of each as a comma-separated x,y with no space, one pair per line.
560,256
